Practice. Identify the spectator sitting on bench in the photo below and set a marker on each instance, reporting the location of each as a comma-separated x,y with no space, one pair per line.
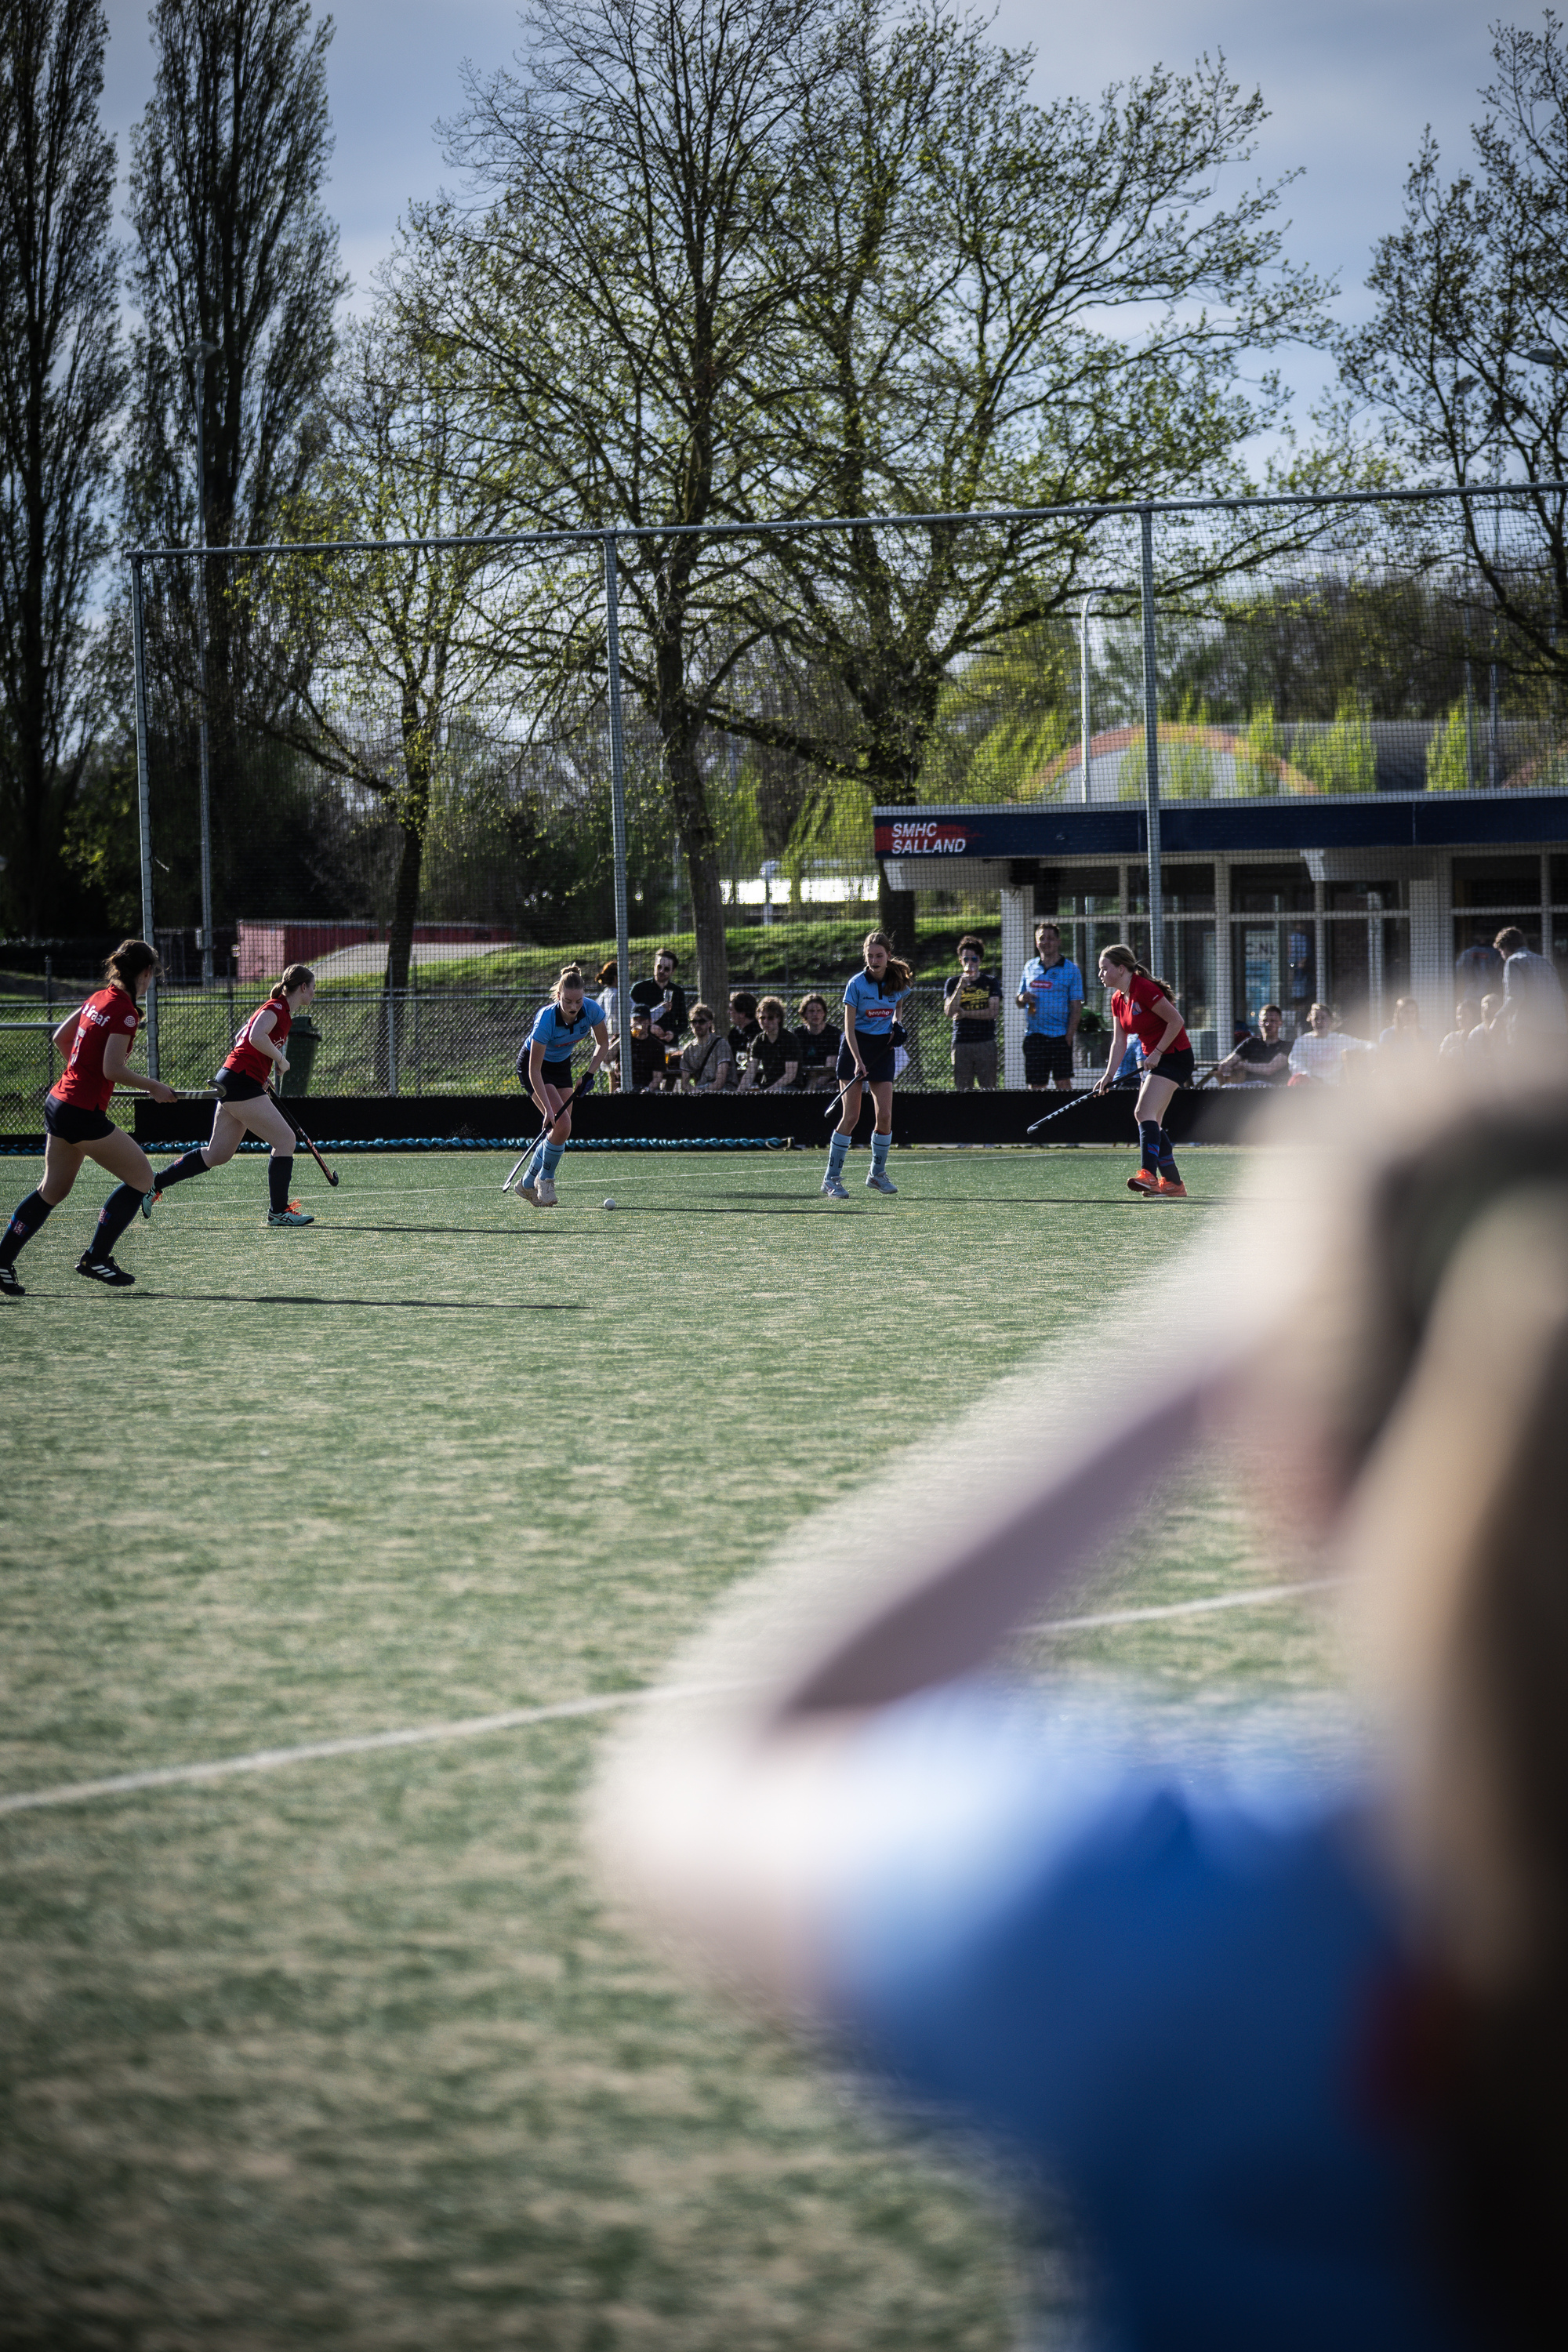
647,1054
770,1066
707,1065
816,1044
1265,1058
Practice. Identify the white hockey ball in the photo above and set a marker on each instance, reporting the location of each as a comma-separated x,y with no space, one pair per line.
609,1204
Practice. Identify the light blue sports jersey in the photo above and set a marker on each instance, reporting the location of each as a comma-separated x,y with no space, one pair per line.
873,1012
559,1036
1052,990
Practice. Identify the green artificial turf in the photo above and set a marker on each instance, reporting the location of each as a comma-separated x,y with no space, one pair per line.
345,2055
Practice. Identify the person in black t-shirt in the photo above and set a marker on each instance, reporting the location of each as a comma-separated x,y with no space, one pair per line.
665,1000
816,1044
972,1001
772,1061
1264,1056
744,1026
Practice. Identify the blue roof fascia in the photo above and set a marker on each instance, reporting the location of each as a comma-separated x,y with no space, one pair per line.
1364,821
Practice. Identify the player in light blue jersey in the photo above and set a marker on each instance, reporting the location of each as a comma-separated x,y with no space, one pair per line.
865,1057
544,1066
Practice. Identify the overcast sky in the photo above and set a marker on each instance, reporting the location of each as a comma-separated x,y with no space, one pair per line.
1350,85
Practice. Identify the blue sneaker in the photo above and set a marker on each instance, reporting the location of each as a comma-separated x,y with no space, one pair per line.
832,1190
879,1181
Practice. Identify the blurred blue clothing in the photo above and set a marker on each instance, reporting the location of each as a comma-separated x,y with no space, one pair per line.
1165,1994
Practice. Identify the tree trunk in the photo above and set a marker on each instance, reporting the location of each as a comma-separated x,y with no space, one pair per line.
713,940
404,906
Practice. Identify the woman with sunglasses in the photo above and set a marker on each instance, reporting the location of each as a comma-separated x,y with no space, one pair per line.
866,1058
707,1065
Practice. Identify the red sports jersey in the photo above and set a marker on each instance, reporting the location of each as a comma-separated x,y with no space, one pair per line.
243,1054
1142,1011
107,1012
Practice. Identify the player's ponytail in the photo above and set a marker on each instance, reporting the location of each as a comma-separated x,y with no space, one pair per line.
1119,953
298,975
129,960
897,975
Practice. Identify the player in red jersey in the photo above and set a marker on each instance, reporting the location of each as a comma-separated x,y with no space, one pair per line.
245,1105
97,1040
1143,1007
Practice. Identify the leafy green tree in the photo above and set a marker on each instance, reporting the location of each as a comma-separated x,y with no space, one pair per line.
1474,280
1448,754
1343,759
998,304
62,381
609,295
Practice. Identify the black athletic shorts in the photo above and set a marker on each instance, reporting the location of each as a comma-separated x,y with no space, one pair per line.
1177,1064
555,1074
74,1123
237,1085
1046,1058
879,1061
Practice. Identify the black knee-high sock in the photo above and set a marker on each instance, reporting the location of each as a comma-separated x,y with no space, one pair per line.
279,1175
1149,1143
190,1164
1168,1159
112,1219
25,1222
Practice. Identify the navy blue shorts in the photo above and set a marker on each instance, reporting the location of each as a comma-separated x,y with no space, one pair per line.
237,1085
555,1074
1178,1065
74,1123
879,1061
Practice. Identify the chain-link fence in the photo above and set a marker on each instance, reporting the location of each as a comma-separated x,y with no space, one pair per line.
429,768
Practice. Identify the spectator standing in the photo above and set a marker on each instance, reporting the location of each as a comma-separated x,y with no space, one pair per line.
1532,995
1404,1039
772,1064
665,999
1479,969
971,1002
1264,1059
816,1044
707,1065
1050,991
1319,1052
744,1026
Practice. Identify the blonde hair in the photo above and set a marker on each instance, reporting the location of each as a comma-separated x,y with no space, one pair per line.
569,976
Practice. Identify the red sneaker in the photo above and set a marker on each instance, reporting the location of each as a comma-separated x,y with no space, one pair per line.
1167,1190
1145,1181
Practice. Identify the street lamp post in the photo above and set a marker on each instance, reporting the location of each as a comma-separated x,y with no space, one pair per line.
199,353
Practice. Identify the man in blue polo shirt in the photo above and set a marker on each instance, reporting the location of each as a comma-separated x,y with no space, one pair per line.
1051,992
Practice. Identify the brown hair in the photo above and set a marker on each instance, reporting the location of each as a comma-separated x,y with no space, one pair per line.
1509,941
1119,952
742,1002
608,975
969,940
899,975
298,975
700,1013
814,997
569,976
1433,1351
129,960
771,1004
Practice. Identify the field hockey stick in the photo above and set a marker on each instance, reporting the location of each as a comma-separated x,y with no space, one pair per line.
301,1137
1117,1086
859,1079
549,1119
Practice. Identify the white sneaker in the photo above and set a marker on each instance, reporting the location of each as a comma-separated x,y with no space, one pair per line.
544,1192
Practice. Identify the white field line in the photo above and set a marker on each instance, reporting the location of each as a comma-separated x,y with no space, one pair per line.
522,1719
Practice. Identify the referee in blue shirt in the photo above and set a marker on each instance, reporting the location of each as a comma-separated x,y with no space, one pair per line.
1051,992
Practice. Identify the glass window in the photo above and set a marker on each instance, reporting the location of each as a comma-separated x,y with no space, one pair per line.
1366,897
1496,881
1189,889
1560,879
1064,892
1270,890
1274,962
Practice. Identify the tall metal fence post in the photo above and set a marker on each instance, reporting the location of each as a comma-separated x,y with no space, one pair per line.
618,804
1151,746
391,1043
143,797
1084,683
204,793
